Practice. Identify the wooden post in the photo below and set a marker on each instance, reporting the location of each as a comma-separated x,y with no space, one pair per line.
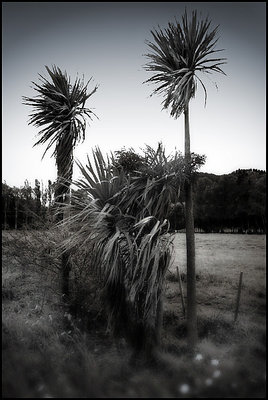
238,296
182,297
159,320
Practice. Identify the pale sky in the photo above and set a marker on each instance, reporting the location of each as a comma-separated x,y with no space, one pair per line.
106,41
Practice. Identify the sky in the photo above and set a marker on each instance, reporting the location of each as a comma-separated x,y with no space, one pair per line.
106,41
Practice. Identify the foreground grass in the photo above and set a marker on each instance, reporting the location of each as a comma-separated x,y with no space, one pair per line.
49,353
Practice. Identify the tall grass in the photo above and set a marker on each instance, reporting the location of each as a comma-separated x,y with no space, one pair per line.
47,353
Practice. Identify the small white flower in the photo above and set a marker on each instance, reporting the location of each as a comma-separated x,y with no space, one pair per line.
40,388
215,362
208,381
216,373
199,357
68,316
184,388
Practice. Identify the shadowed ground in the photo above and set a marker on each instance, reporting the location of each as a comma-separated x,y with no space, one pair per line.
49,353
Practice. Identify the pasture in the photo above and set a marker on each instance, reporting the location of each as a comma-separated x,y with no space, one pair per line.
219,260
47,352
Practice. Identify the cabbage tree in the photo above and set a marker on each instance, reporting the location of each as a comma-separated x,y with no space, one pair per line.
59,112
121,229
181,55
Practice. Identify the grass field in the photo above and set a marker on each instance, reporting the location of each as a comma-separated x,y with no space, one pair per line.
219,260
49,353
226,254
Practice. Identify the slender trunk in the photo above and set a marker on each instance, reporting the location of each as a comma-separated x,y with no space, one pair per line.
61,195
159,320
145,336
190,244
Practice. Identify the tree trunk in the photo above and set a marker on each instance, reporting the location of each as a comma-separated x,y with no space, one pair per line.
65,264
159,320
144,336
190,244
62,191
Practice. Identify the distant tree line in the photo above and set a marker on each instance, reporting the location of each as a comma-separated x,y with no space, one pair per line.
235,202
27,207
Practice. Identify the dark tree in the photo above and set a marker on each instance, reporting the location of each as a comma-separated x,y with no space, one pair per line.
59,109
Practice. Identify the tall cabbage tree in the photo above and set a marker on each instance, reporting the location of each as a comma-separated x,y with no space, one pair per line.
59,110
180,56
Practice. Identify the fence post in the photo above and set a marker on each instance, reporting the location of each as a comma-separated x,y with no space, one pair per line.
159,319
182,297
238,296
